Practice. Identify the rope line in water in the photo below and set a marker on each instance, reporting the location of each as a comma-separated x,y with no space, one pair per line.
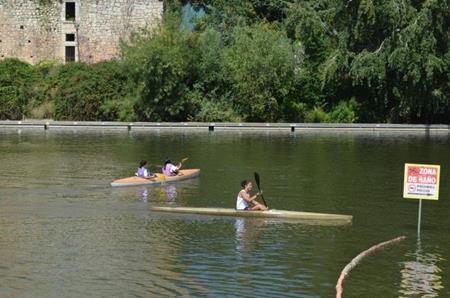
357,260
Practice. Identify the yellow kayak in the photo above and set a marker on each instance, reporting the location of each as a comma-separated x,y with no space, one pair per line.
159,179
272,213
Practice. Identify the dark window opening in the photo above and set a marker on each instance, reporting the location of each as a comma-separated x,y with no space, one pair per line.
21,27
70,11
70,54
70,37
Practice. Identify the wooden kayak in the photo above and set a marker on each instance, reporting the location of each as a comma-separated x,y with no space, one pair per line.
306,216
160,179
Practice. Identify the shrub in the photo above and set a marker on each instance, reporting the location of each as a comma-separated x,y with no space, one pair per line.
43,111
317,115
259,65
16,78
161,63
10,103
345,112
81,90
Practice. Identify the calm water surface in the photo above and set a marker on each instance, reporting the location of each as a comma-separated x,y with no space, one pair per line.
64,232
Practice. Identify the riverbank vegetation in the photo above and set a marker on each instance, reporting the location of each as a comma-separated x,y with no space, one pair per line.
253,60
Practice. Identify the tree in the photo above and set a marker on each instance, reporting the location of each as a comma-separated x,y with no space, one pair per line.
259,65
161,63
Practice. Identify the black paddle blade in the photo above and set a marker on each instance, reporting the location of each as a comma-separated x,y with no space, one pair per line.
257,179
259,187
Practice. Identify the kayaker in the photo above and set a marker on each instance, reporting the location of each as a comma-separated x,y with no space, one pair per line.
143,172
245,201
170,169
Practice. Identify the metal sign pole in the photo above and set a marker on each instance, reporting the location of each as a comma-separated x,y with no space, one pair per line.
419,218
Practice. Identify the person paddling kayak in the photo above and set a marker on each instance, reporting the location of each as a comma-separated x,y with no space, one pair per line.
170,169
245,201
143,172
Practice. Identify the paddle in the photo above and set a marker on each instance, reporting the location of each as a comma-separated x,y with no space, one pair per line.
257,183
184,160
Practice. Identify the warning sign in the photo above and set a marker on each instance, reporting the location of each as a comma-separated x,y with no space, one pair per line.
421,181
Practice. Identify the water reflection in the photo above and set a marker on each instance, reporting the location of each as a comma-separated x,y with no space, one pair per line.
247,232
422,276
143,194
166,193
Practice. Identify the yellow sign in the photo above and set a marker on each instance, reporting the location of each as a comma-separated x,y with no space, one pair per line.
421,181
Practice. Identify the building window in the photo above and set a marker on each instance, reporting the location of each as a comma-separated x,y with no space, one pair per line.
70,37
70,11
70,53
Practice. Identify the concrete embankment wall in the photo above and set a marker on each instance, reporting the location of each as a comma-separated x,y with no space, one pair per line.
208,126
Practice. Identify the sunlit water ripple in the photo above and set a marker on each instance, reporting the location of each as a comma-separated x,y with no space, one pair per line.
64,232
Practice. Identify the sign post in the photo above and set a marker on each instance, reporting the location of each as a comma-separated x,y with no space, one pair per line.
422,183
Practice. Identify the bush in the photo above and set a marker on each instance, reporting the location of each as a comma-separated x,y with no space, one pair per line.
161,63
16,78
82,90
40,102
259,65
122,109
42,111
317,115
10,103
345,112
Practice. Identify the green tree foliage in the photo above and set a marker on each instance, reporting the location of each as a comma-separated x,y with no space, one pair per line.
259,64
392,57
81,91
16,79
10,103
257,60
212,90
163,68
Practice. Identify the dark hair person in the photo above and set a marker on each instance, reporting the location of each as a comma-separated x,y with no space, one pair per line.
245,201
170,169
143,172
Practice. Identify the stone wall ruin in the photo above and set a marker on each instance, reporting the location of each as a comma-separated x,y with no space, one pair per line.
71,30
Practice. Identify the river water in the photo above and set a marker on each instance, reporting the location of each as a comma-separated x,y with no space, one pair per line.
64,232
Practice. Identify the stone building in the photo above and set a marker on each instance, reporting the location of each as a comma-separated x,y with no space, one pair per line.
71,30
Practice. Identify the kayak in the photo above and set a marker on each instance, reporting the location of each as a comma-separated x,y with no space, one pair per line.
160,179
272,213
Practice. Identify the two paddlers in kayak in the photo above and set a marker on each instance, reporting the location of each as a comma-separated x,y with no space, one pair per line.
168,169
